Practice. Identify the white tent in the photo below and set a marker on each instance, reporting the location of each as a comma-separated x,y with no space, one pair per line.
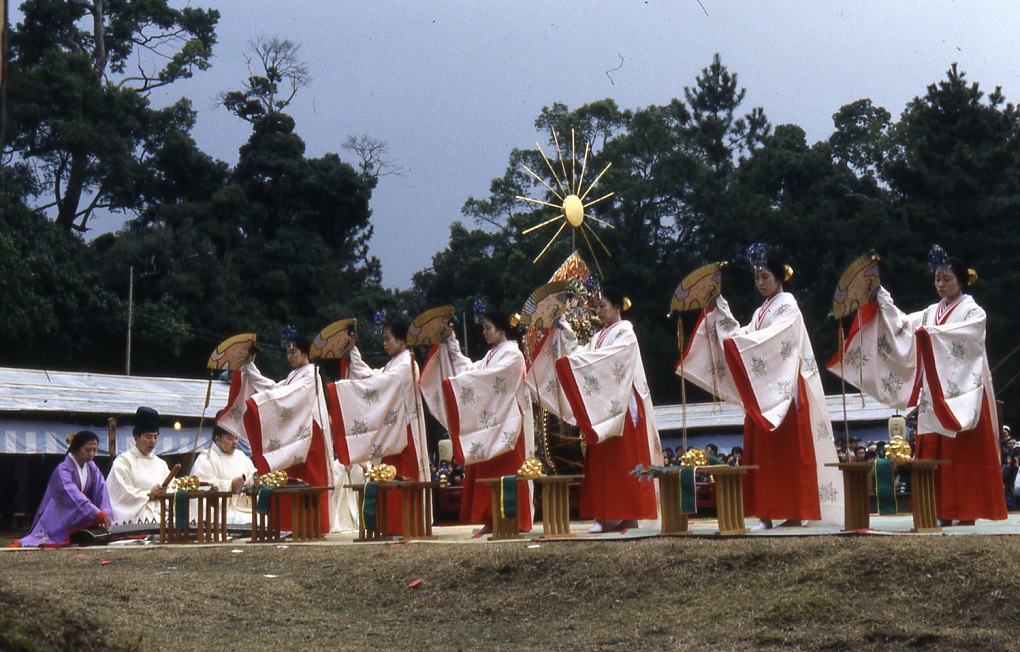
39,408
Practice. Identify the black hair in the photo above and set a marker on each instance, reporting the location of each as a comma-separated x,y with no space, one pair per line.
960,270
777,268
81,438
398,329
613,295
217,430
299,342
500,320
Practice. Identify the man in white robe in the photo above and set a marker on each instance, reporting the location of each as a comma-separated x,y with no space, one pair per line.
227,469
137,475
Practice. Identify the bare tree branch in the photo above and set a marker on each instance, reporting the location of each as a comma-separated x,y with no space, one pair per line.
372,157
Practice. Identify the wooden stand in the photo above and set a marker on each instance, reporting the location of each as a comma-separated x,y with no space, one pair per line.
729,497
857,491
304,515
503,528
674,521
416,510
556,504
922,486
210,517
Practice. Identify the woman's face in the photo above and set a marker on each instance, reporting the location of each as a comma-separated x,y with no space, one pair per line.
296,357
946,284
492,334
766,282
86,453
390,344
607,312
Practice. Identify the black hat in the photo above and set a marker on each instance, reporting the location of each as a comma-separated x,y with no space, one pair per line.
146,420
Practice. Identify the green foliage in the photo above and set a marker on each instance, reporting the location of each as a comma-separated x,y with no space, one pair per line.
57,310
78,77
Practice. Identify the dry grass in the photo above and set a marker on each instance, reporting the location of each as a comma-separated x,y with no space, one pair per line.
869,593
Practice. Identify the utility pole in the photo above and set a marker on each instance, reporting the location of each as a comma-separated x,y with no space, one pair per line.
131,319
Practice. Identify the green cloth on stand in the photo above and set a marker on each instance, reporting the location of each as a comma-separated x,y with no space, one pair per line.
262,506
180,510
687,491
885,486
368,505
508,496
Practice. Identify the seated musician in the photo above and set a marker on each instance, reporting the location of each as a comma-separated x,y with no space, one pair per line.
137,474
227,469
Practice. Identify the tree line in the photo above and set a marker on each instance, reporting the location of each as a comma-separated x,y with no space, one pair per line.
282,238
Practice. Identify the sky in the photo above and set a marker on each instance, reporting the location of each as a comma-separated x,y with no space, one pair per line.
453,86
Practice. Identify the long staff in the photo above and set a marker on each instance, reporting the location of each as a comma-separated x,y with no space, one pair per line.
201,421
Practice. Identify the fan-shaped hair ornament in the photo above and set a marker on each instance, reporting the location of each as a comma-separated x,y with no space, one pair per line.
431,326
545,304
232,352
698,289
335,340
857,285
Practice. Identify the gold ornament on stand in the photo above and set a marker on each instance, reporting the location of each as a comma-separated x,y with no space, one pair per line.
184,483
898,450
274,479
694,457
381,473
532,468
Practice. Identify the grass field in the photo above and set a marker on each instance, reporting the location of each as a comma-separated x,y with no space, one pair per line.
828,593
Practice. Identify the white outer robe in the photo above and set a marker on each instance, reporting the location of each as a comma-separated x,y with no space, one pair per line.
290,409
775,350
491,398
131,478
378,405
219,469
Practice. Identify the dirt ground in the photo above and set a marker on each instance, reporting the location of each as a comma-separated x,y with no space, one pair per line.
840,592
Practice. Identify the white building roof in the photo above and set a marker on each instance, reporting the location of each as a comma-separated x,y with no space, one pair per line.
37,391
725,415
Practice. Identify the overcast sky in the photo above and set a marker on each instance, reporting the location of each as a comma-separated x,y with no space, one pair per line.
453,85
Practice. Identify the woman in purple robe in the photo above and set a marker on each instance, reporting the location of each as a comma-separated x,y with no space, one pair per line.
75,498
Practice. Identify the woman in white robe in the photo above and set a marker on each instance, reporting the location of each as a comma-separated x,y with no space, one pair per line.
768,367
486,407
935,360
601,388
376,415
286,426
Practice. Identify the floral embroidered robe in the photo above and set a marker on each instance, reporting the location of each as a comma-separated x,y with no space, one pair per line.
935,360
376,417
486,407
603,384
768,367
286,426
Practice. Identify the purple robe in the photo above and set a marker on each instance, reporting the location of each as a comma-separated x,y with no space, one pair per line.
66,508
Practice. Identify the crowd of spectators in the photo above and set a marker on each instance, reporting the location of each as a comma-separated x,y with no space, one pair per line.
447,474
734,458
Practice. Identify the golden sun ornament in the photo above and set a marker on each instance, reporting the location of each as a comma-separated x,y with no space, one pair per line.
571,193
